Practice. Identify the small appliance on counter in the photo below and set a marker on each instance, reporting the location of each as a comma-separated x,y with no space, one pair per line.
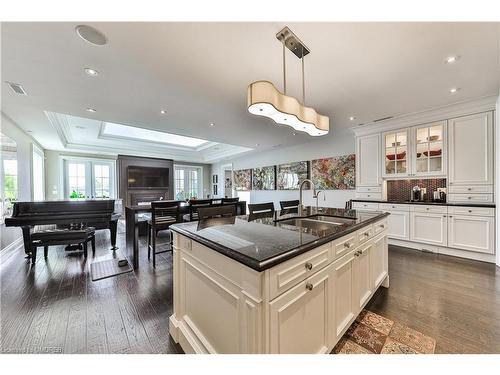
418,194
439,195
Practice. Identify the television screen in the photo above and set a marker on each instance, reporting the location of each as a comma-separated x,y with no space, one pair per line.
147,177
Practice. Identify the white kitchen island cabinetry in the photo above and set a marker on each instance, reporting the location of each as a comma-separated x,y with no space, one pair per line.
302,305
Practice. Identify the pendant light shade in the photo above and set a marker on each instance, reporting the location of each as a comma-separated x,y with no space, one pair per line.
265,100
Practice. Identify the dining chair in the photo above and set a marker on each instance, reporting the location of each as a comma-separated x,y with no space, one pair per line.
193,208
163,214
216,212
285,205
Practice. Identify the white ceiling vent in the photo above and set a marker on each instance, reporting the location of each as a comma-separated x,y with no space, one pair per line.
17,88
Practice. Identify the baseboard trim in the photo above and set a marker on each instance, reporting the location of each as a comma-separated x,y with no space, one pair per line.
10,249
489,258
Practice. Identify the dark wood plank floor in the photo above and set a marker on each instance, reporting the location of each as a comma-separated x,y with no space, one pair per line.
456,301
55,307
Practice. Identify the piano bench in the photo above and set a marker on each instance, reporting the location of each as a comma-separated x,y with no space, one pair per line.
53,237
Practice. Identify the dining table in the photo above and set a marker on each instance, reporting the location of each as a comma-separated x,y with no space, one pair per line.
135,214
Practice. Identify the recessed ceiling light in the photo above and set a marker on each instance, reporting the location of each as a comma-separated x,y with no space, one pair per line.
212,124
294,133
454,90
91,72
91,110
29,131
352,118
163,111
80,127
91,35
451,59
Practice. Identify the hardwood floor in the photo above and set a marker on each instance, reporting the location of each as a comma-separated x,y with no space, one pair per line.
55,307
456,301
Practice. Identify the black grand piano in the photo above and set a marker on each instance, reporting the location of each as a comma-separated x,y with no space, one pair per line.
98,213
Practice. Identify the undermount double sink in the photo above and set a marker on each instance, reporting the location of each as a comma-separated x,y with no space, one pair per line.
317,222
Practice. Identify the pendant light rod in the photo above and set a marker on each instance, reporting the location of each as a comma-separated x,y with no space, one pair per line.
284,68
303,80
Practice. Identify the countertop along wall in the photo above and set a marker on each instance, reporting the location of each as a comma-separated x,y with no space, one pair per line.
24,160
338,143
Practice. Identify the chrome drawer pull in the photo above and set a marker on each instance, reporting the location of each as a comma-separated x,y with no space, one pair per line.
309,286
309,266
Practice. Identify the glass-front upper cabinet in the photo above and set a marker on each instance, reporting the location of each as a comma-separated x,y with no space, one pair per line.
429,149
396,161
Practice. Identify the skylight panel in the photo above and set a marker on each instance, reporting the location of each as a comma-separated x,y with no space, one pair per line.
131,132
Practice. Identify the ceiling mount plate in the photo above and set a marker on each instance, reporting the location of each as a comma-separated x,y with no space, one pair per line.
292,42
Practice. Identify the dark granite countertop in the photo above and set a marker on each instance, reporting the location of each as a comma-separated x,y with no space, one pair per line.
487,205
263,241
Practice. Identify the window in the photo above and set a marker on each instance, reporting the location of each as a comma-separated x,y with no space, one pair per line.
188,182
88,178
38,174
8,176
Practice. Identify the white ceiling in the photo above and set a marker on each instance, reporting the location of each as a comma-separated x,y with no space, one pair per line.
199,73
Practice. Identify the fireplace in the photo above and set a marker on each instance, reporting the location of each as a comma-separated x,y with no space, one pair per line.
143,180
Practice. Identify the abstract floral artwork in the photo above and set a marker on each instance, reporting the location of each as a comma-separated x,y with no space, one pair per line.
263,178
337,173
291,174
242,179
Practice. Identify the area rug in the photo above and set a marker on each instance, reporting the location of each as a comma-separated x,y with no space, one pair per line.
107,268
374,334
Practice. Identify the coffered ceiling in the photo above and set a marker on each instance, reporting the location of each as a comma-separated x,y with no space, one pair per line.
199,72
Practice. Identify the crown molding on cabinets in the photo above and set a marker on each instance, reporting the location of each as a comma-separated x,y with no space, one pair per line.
482,104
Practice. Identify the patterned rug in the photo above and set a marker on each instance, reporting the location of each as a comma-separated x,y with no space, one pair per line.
374,334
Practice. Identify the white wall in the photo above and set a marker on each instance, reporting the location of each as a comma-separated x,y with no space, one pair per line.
341,144
24,160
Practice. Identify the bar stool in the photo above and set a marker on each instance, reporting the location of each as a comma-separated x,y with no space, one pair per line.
163,214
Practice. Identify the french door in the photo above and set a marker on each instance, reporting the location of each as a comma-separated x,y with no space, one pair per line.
89,179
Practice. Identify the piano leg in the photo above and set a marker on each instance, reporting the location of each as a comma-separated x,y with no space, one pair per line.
113,224
26,239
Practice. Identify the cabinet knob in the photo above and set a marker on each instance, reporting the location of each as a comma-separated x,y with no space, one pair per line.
427,208
309,266
309,286
469,189
382,226
470,211
469,197
451,216
366,234
347,245
444,215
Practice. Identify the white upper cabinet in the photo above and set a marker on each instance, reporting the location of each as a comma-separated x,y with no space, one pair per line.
429,149
368,169
471,150
419,151
395,153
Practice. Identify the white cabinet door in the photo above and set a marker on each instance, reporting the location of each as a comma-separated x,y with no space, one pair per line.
344,301
429,150
396,153
301,318
428,228
363,272
368,168
475,233
399,225
379,259
470,148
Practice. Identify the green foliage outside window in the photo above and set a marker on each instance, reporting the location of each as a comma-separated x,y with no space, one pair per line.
75,195
183,195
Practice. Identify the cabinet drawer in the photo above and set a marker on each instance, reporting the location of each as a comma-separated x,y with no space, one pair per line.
470,198
379,227
393,207
474,211
364,206
369,189
429,209
471,189
284,276
344,245
365,234
374,196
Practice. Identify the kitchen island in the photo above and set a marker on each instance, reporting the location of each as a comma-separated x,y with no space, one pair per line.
289,282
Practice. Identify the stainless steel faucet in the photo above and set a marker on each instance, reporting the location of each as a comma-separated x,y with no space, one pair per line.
300,188
317,198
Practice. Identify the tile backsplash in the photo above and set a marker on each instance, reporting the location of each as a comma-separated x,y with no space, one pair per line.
400,190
